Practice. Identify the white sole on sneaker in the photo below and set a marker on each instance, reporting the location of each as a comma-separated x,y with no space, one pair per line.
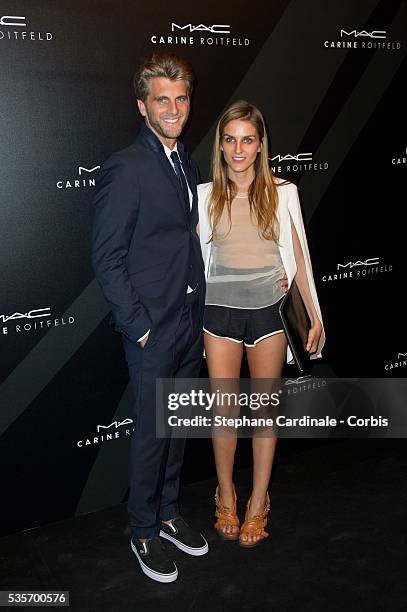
151,573
196,552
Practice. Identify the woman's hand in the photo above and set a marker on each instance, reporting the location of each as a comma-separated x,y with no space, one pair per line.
284,284
314,335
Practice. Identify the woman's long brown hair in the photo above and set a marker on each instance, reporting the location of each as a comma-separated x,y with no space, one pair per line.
263,196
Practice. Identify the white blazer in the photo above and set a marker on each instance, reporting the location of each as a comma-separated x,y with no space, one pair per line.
288,207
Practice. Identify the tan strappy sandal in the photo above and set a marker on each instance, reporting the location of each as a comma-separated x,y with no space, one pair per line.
254,526
226,516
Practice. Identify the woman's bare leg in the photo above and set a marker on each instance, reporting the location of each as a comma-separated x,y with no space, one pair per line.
265,361
224,358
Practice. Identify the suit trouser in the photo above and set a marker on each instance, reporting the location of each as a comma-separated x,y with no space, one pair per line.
155,463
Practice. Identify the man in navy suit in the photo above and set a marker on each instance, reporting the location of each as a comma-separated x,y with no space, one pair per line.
147,260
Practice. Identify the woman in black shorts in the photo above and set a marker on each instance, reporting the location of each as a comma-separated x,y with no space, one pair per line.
252,236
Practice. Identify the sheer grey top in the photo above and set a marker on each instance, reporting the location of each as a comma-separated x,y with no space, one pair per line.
244,269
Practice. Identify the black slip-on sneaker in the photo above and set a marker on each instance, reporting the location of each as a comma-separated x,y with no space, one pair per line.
153,559
183,537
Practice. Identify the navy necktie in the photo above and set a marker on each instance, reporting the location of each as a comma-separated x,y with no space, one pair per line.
181,177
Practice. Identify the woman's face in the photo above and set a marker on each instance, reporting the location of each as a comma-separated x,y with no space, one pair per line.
240,145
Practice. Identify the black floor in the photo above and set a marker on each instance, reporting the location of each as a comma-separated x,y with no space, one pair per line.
338,527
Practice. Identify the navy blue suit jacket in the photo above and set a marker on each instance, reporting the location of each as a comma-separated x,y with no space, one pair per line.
144,238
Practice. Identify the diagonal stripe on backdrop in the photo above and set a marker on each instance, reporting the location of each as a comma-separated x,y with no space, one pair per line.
348,76
281,73
46,359
363,101
360,104
108,479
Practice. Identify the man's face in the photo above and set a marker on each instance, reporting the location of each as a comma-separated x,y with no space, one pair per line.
166,109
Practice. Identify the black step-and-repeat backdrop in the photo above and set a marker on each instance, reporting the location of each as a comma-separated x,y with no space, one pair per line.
329,79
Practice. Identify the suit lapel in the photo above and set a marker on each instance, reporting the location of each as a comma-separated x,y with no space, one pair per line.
148,139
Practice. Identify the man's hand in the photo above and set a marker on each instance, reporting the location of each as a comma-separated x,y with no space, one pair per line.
284,284
143,342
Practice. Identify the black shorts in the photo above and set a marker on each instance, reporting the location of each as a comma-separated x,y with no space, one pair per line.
247,325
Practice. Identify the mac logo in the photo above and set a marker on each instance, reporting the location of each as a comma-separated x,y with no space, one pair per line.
300,157
31,314
295,381
11,20
214,29
364,34
89,170
372,261
115,424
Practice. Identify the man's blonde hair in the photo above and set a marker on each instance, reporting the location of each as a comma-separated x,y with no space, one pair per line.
167,65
